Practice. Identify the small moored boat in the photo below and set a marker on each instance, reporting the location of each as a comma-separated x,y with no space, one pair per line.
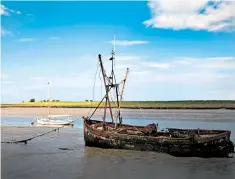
54,119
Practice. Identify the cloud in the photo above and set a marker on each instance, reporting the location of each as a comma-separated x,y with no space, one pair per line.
3,76
125,57
157,65
54,38
221,58
5,32
128,42
27,39
206,63
124,66
3,10
6,82
6,11
65,81
38,78
196,15
209,73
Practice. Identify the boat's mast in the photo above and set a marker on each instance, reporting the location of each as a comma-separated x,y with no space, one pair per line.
119,104
113,76
112,59
106,88
48,100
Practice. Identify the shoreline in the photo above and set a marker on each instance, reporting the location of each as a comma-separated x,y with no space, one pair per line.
141,107
187,104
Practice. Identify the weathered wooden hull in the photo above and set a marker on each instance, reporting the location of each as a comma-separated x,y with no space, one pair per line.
216,144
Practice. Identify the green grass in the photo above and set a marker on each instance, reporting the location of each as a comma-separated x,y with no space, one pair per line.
190,104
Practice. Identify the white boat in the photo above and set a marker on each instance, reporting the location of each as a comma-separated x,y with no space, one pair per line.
54,119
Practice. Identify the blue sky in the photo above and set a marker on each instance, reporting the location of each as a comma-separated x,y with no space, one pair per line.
175,51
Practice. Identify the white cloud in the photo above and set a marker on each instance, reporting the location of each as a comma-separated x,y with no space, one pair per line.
221,58
6,82
206,63
128,42
199,72
124,66
125,57
54,38
38,78
27,39
65,81
192,14
5,32
3,76
6,11
157,65
3,10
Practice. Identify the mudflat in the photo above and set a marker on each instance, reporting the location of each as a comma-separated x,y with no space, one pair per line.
62,154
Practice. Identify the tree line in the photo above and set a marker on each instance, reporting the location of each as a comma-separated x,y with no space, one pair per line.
33,100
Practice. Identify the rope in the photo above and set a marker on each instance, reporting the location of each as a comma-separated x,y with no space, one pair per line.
93,92
101,94
100,75
141,110
26,140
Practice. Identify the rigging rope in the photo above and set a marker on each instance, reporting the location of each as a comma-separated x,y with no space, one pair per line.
101,94
93,92
141,110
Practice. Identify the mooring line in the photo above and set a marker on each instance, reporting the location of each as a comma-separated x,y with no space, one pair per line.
26,140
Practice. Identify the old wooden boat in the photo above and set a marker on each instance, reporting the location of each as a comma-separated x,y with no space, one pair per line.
176,142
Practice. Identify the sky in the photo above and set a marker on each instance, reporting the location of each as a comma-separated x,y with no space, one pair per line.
176,50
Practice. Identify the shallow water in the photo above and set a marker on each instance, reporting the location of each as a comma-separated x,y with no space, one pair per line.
222,121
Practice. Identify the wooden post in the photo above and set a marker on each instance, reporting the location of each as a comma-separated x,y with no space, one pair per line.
106,87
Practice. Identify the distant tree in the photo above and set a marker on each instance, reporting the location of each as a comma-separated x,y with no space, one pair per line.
22,101
91,100
57,100
86,100
32,100
53,100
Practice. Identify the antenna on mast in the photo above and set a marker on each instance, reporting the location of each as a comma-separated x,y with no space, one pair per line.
113,61
114,43
113,50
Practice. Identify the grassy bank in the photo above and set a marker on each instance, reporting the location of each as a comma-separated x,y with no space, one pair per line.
213,104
